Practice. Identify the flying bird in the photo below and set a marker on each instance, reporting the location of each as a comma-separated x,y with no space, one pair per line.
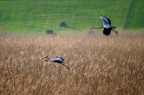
58,60
106,26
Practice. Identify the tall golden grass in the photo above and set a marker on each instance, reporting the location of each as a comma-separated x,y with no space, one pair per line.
98,65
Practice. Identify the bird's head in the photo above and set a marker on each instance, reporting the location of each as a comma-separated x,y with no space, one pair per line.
46,58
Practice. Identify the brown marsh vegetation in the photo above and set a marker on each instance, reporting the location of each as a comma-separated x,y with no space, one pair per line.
98,65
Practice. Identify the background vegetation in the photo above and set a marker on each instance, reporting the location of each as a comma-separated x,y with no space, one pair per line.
98,66
26,16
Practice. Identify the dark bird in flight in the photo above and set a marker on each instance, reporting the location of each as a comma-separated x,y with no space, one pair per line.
58,60
106,26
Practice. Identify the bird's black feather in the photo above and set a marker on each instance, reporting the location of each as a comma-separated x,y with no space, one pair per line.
107,31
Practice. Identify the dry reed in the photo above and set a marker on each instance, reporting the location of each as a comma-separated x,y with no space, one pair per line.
99,66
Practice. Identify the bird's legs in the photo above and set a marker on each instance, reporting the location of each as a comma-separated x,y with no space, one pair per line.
66,66
115,31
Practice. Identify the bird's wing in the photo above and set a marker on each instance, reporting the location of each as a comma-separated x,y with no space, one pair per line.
105,20
60,59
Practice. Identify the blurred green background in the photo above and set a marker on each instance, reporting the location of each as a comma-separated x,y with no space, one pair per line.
37,16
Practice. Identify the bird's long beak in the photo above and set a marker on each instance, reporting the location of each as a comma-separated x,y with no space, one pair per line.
45,57
92,28
96,28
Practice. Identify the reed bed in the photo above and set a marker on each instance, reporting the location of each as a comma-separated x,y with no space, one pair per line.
98,65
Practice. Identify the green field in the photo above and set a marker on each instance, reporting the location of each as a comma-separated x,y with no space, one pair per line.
26,16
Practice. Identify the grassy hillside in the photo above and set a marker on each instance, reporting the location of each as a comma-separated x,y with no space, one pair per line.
136,14
40,15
